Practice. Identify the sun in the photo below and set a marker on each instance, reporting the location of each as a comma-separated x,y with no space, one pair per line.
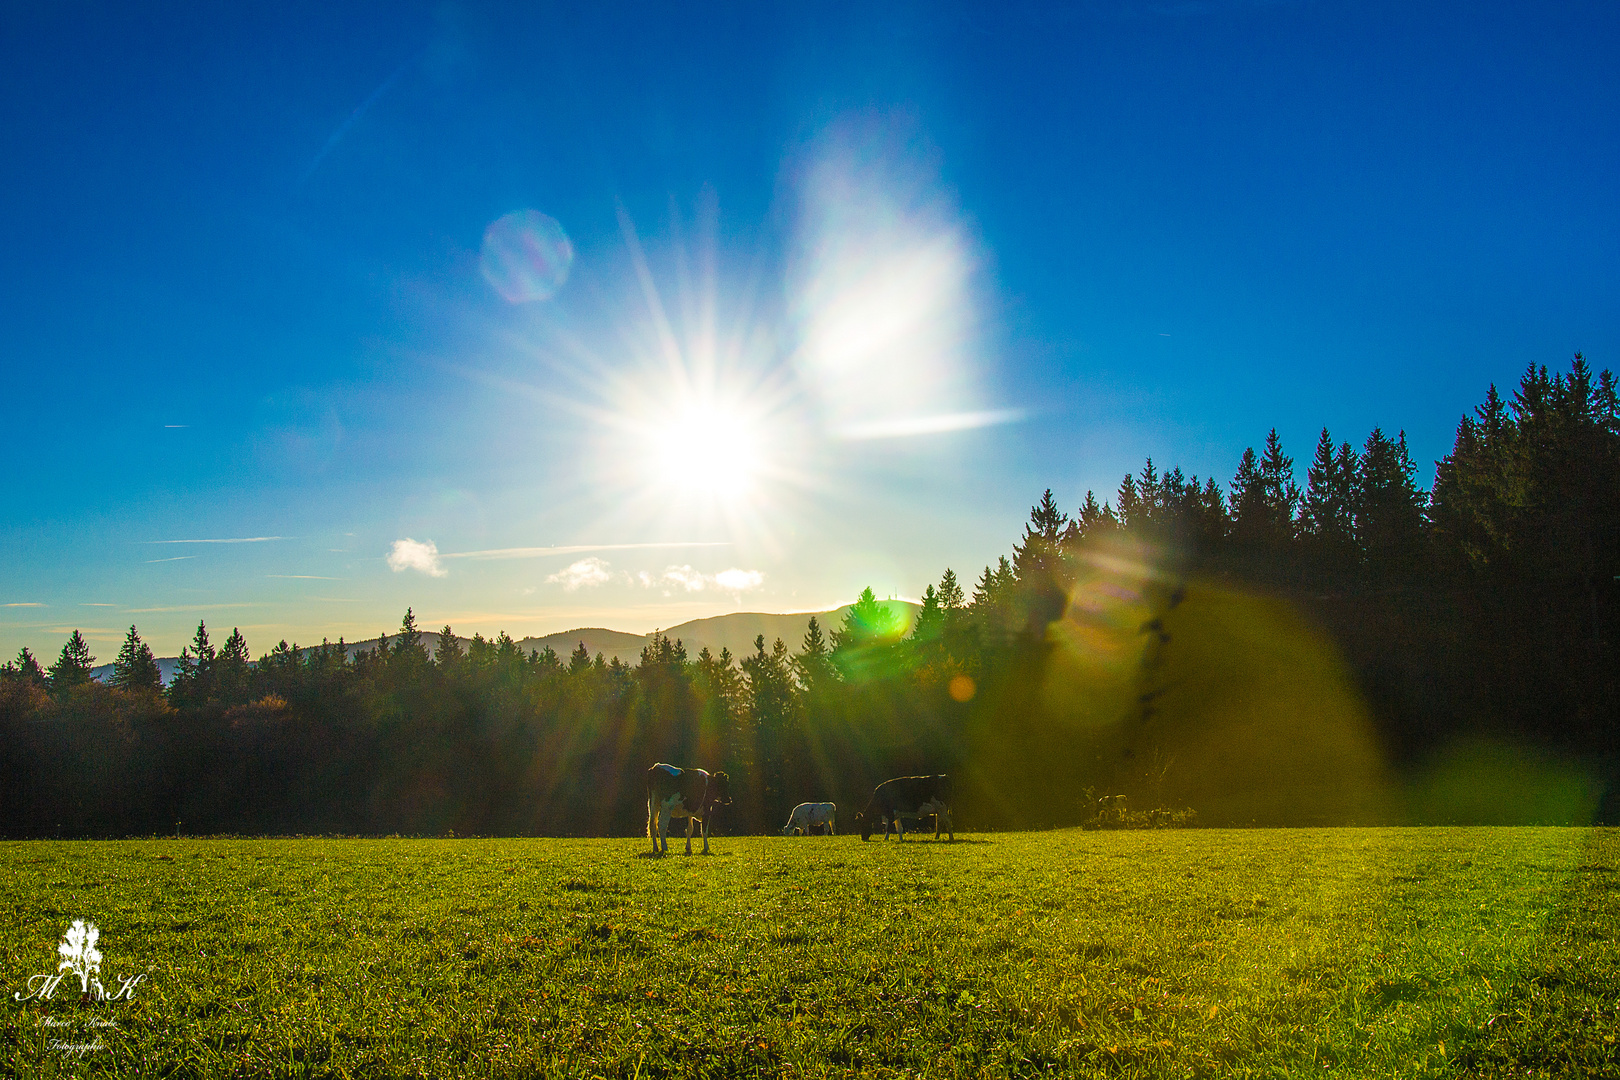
706,450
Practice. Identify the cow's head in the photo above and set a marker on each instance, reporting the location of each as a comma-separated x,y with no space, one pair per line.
719,793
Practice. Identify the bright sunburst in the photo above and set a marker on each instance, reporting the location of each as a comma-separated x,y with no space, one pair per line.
706,450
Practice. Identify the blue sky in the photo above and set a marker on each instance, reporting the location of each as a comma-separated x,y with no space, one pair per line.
845,288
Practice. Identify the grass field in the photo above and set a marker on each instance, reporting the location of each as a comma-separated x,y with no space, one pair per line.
1354,952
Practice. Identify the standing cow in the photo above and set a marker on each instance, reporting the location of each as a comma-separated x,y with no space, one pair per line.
908,797
807,815
689,793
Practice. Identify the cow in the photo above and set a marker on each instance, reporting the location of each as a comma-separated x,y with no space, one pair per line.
689,793
808,815
908,797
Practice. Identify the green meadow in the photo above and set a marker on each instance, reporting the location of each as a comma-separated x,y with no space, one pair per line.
1348,952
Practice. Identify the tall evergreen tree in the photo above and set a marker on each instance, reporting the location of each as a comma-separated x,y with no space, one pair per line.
232,670
1388,505
579,660
814,661
72,667
27,668
1264,497
135,668
449,655
1327,510
193,682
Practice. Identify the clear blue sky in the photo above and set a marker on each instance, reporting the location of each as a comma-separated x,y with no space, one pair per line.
913,265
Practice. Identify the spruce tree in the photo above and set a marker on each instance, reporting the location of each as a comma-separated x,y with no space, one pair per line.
27,669
579,659
1389,505
72,667
449,654
135,668
930,617
193,682
232,669
1327,510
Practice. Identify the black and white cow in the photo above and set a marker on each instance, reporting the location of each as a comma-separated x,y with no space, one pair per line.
908,797
689,793
807,815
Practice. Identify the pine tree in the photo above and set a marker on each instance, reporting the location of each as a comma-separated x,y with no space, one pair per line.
193,682
72,668
951,600
1327,511
814,662
1389,505
448,655
408,645
135,668
867,622
232,669
579,659
27,669
1264,497
930,620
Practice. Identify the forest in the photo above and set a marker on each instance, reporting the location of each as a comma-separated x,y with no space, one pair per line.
1343,646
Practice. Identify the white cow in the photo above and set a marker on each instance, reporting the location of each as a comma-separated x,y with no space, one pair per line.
807,814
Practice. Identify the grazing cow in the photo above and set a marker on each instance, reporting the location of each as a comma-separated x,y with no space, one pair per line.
908,797
689,793
807,815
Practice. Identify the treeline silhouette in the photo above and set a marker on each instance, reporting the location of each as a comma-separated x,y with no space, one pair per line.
1262,653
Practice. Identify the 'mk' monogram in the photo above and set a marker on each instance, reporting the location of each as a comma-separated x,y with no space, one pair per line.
81,959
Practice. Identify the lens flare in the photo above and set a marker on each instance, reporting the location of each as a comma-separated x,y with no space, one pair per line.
526,256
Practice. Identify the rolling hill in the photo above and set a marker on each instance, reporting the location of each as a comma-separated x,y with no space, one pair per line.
735,631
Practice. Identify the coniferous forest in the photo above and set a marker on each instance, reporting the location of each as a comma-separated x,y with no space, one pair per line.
1306,645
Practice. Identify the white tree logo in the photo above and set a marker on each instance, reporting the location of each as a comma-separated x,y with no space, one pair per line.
81,957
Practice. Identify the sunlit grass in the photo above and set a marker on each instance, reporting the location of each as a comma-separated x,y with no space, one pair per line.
1266,953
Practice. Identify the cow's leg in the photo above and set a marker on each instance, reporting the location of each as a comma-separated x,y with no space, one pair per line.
689,820
900,827
663,828
948,828
704,824
831,829
936,824
652,823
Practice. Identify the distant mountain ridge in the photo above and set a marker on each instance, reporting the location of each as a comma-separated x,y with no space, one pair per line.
735,631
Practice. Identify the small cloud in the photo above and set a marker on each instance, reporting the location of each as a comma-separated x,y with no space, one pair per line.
738,581
685,577
582,574
172,427
175,558
22,605
224,540
410,554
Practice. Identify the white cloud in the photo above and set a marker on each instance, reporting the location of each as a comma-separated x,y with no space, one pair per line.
739,581
223,540
586,573
684,577
410,554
